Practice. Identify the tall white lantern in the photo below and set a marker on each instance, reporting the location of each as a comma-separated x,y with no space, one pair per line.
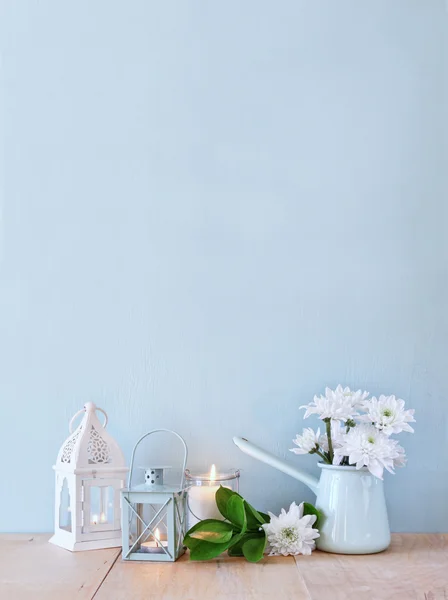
90,472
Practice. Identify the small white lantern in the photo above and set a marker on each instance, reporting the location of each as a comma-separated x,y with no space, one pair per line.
154,513
90,472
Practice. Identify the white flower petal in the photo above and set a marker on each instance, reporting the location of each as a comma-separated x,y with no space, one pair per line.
367,446
298,451
309,520
339,405
375,468
290,532
388,414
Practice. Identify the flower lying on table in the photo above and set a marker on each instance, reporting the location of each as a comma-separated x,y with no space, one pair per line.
355,439
246,531
291,532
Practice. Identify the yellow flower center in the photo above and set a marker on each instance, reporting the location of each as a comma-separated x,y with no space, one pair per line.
290,534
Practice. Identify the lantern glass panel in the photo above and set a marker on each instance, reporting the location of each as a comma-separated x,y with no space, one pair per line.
149,528
101,505
65,515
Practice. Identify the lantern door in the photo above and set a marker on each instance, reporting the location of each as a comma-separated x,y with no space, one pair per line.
153,526
100,505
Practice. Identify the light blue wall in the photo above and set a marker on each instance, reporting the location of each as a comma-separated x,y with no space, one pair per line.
211,210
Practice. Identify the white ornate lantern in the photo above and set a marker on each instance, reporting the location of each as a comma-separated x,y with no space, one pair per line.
90,472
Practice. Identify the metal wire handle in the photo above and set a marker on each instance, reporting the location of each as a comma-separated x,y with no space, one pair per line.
131,468
83,410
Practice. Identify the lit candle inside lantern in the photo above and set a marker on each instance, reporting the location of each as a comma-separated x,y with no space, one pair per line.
94,519
202,502
154,546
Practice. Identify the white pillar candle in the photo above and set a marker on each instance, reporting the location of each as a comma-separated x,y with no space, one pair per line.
202,501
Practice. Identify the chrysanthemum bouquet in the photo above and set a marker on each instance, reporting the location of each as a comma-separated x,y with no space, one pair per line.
358,430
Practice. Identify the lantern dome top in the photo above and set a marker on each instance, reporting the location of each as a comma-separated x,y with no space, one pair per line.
90,447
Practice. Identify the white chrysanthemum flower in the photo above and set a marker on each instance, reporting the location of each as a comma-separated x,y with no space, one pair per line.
388,414
356,398
340,404
366,446
308,441
326,407
291,532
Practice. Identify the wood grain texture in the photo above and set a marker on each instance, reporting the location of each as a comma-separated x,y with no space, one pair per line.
415,567
235,578
33,569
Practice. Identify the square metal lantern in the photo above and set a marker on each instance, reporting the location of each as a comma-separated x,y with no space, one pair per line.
154,514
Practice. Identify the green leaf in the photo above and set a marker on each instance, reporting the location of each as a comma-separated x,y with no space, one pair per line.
211,537
236,546
267,518
201,550
200,525
215,537
235,551
253,549
309,509
236,538
217,532
236,513
222,496
254,518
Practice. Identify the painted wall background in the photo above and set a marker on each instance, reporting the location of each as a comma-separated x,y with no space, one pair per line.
209,211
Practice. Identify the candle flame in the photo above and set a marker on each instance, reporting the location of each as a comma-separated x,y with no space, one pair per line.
157,536
213,473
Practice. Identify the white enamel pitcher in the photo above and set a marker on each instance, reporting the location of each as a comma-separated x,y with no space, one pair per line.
352,503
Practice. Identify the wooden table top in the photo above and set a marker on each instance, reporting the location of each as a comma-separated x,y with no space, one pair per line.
415,567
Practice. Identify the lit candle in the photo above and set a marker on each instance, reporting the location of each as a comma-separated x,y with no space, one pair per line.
154,546
103,518
94,519
202,501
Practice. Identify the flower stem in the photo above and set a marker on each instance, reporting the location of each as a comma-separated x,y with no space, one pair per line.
330,442
325,459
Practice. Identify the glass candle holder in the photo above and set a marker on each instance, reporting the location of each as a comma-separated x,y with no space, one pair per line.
202,488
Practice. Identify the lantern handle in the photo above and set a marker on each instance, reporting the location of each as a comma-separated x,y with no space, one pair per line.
82,411
131,468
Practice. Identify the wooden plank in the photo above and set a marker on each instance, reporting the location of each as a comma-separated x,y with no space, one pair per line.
415,567
31,568
223,578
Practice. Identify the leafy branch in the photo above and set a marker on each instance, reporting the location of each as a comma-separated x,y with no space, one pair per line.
240,534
